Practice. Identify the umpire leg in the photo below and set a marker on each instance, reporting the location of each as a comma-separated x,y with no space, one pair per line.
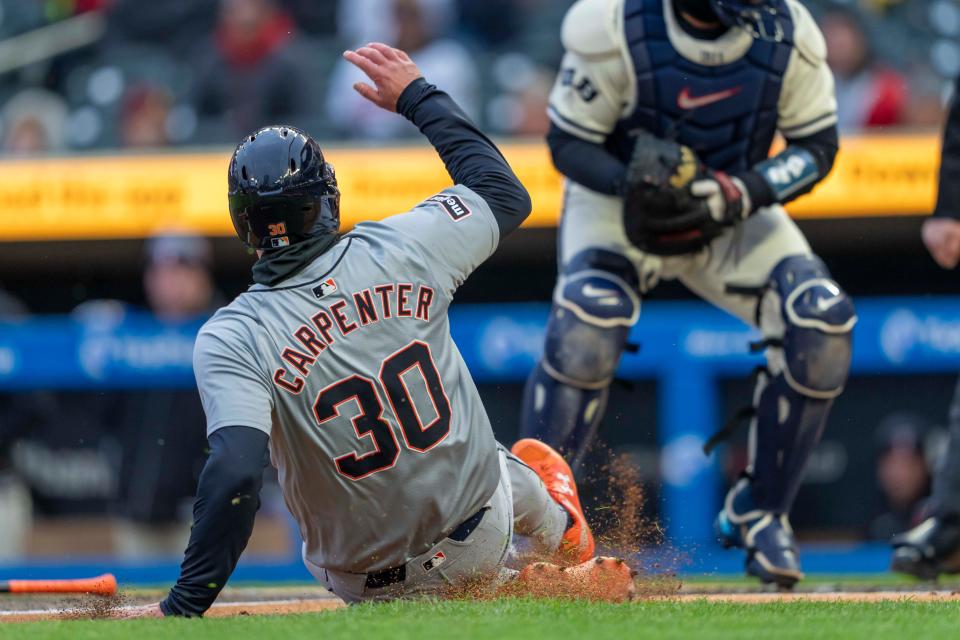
933,546
595,304
946,484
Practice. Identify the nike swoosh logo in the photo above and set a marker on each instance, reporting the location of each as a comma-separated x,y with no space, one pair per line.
826,305
686,101
593,292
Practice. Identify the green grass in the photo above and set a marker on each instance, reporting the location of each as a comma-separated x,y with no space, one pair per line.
529,620
814,582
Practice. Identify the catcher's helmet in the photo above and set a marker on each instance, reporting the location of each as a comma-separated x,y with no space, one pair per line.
281,190
760,18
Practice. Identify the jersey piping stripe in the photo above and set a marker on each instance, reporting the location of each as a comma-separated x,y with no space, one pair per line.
315,280
810,123
557,116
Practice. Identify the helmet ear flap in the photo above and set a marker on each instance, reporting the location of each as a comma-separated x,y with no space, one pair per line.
330,177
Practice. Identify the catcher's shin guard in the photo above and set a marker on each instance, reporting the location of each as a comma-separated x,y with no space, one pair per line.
807,320
595,304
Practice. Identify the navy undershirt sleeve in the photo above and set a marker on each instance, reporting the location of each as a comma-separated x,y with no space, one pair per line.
470,157
228,497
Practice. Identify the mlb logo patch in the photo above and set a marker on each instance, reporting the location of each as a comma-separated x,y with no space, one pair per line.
438,559
453,205
325,288
279,243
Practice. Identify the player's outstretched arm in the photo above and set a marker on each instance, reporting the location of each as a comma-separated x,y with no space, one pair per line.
470,157
228,497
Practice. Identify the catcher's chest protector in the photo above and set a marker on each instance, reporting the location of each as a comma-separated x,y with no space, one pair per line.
726,113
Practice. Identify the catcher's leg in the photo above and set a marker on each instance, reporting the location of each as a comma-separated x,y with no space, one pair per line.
806,320
595,304
933,547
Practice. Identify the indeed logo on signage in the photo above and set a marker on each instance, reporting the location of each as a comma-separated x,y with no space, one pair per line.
903,332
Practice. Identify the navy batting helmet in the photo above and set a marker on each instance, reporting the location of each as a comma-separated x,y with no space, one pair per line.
281,190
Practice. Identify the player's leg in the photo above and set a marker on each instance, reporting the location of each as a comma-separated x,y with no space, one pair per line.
546,504
765,273
547,510
933,546
594,306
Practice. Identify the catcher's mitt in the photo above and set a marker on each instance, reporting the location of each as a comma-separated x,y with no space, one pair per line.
660,215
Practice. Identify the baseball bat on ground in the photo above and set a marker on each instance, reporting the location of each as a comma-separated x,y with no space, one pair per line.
105,585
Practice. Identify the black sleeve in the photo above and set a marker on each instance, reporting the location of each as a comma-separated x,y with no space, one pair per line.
823,146
948,196
228,497
586,163
470,157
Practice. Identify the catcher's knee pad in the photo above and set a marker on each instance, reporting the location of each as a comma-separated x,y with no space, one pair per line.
808,319
595,305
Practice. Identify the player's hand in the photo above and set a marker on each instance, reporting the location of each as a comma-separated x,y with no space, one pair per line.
391,71
147,611
942,237
726,197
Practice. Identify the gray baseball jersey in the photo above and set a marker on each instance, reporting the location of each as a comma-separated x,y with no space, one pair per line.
376,427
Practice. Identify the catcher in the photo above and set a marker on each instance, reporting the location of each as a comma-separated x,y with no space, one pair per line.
663,115
340,360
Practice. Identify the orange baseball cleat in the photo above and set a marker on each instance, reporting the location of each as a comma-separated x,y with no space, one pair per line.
603,578
558,478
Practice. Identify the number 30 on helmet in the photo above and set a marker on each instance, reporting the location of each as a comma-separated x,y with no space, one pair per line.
281,190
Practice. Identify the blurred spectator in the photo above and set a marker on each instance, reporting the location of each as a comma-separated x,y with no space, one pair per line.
250,70
419,28
34,122
363,21
926,108
143,117
902,474
868,94
316,18
175,24
15,504
521,109
163,431
490,23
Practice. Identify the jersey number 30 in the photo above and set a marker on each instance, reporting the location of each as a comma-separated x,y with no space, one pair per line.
370,423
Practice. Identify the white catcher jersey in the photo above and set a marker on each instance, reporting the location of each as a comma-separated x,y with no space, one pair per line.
376,427
596,51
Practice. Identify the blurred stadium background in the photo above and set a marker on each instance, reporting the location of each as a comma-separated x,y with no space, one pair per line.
116,121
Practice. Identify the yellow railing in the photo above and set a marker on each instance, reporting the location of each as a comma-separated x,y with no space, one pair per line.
135,196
